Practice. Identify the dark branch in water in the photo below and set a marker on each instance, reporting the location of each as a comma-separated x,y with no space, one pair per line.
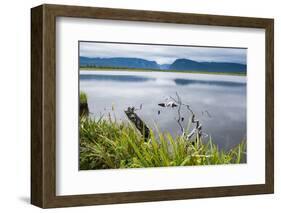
139,124
168,104
179,102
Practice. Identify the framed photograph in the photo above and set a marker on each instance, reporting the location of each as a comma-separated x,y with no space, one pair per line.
136,106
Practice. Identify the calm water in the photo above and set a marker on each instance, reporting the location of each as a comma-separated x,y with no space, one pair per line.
224,97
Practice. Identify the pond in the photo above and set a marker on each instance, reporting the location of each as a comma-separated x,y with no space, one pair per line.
219,101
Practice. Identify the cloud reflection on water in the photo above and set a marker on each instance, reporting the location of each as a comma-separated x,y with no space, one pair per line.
224,97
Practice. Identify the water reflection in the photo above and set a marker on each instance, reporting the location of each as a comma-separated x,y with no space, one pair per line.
114,77
224,97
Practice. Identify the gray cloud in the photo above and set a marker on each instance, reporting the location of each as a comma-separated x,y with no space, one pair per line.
163,54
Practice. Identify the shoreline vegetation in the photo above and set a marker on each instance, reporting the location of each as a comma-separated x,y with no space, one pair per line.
83,106
92,68
108,144
89,68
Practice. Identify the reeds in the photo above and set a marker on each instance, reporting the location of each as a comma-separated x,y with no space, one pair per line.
107,144
83,97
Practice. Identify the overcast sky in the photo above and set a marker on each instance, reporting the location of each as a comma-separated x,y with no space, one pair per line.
162,54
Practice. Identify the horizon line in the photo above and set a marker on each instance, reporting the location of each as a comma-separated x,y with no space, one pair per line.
166,63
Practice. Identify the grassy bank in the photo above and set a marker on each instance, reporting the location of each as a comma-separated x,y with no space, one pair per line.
83,98
158,70
106,144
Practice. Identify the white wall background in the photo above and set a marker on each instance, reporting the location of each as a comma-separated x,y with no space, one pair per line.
15,104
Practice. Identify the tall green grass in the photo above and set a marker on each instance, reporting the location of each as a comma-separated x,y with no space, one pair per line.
106,144
83,97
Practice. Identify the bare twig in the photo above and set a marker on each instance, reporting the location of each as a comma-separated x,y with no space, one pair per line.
198,126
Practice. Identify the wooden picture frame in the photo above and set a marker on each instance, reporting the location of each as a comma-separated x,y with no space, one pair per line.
43,105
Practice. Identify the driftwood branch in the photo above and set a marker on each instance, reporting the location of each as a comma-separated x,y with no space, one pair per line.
139,124
179,104
198,126
169,102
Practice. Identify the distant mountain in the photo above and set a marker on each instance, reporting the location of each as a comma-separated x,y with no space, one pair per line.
186,64
178,64
135,63
164,66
